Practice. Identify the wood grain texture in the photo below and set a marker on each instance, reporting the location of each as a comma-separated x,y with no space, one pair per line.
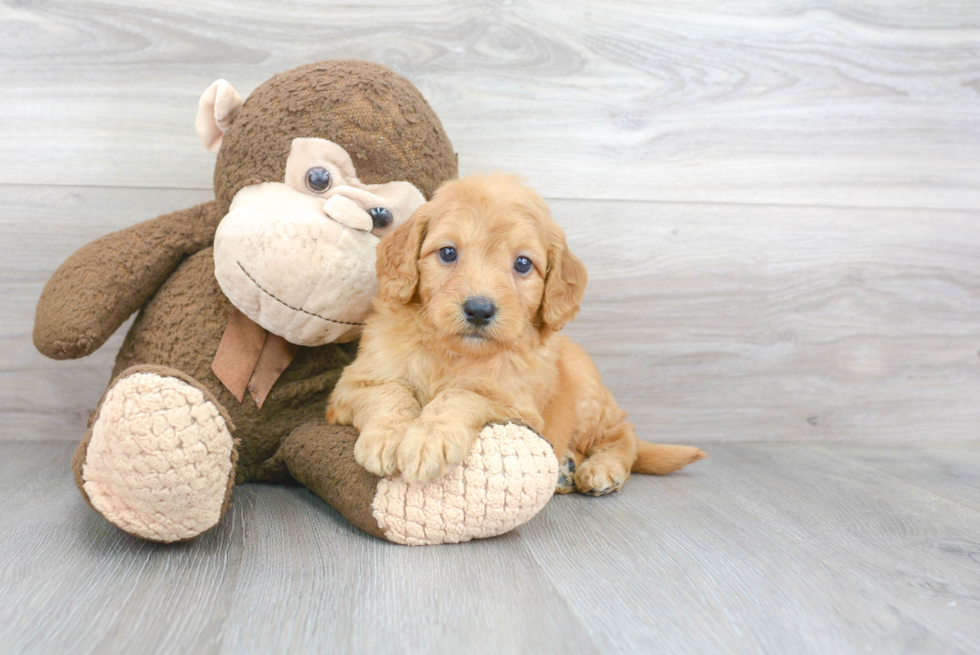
744,322
764,548
778,206
784,548
767,102
718,322
41,227
346,592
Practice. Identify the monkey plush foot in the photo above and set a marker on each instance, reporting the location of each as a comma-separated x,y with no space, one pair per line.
159,459
507,477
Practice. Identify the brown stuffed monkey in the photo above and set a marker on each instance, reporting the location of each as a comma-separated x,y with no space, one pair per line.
248,306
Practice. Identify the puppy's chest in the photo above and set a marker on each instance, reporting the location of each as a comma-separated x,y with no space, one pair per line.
507,378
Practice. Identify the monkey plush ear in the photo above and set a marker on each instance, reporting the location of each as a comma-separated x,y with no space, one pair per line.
216,111
564,285
398,259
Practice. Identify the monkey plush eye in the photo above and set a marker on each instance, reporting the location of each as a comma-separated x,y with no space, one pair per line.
447,254
381,217
318,179
523,265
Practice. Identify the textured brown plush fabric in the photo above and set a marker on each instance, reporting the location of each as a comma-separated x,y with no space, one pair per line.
164,267
321,457
181,327
377,116
104,282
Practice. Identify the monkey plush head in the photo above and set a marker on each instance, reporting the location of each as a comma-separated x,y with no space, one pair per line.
313,169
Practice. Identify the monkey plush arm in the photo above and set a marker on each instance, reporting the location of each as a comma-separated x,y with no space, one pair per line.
105,281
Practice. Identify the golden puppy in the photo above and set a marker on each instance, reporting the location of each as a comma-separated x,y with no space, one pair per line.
473,290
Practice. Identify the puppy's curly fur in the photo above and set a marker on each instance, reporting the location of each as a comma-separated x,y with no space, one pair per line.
428,375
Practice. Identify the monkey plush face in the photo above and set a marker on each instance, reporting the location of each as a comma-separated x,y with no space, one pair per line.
297,256
313,169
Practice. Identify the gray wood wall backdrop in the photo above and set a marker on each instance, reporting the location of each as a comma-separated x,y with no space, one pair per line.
778,201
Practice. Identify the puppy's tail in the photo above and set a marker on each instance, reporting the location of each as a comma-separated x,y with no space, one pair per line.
661,459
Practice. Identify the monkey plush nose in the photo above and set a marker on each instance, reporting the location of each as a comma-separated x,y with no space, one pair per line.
479,310
347,212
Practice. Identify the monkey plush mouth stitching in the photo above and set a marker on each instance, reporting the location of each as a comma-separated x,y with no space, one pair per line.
295,309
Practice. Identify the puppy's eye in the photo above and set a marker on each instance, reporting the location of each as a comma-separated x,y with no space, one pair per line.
318,179
523,265
381,217
447,254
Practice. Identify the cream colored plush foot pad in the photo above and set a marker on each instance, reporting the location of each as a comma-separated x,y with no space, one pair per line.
506,479
159,460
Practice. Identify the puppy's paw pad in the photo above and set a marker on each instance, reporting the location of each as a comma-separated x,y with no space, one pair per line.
602,491
566,476
598,478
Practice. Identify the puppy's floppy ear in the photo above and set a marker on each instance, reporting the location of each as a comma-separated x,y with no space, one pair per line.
564,285
398,259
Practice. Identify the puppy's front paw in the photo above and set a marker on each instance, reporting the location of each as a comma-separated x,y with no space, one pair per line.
431,448
599,475
376,448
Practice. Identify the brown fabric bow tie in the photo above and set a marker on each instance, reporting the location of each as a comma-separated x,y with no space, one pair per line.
250,358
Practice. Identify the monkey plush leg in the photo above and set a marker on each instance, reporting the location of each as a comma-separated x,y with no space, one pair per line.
159,459
507,477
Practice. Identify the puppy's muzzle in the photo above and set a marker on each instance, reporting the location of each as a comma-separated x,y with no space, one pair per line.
479,310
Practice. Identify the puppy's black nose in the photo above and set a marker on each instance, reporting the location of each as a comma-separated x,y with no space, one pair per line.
479,310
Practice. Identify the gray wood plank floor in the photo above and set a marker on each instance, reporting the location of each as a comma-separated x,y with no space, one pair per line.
777,202
776,101
778,205
764,548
